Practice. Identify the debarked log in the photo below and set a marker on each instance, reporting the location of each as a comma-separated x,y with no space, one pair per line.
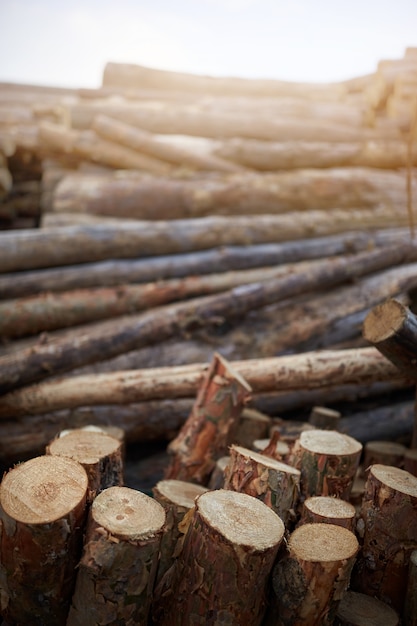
151,327
53,247
302,371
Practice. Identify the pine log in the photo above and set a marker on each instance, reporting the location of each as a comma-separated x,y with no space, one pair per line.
100,455
392,328
88,145
328,510
46,311
358,609
274,483
383,453
410,461
117,570
311,579
252,425
223,569
211,425
410,605
42,517
114,272
167,198
270,155
217,476
308,370
279,451
177,497
324,418
387,525
328,463
148,143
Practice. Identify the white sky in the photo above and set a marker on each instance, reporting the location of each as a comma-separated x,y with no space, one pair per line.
67,43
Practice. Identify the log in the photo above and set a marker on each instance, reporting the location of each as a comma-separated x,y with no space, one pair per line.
410,461
211,425
383,453
177,497
252,425
328,463
274,483
217,476
244,553
71,245
101,456
42,517
142,197
392,422
328,510
392,328
154,145
278,450
387,526
310,580
118,566
324,418
358,609
109,273
309,370
410,605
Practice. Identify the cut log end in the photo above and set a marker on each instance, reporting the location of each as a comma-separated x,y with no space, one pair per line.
396,479
128,514
241,519
323,543
359,609
330,510
85,446
43,489
179,492
266,461
384,321
329,442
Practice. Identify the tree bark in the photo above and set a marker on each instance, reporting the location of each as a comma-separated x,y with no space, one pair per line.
358,609
387,525
110,273
309,370
223,569
311,579
410,461
324,418
410,606
274,483
328,463
328,510
383,453
42,517
100,455
211,425
117,570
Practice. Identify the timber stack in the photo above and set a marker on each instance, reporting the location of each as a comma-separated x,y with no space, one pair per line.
228,268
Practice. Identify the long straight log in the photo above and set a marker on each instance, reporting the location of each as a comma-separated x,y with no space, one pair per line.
303,371
155,326
113,272
166,198
65,246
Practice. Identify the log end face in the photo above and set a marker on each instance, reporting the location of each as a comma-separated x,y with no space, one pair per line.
323,543
383,321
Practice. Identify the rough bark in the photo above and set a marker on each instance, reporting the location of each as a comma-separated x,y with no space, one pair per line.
252,425
410,605
223,569
42,517
328,463
101,456
274,483
358,609
217,476
211,425
117,570
110,273
410,461
387,525
311,579
383,453
71,245
273,447
392,328
177,497
309,370
328,510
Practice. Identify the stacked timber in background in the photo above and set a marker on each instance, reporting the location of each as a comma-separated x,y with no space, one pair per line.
179,215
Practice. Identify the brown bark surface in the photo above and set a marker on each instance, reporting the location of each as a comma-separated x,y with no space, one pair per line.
410,605
295,372
388,527
311,579
230,543
117,570
42,518
100,455
383,453
211,425
328,463
324,418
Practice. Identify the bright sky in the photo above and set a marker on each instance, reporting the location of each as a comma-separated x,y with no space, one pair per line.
67,43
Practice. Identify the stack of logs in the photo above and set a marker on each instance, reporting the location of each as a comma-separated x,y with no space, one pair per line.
277,543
